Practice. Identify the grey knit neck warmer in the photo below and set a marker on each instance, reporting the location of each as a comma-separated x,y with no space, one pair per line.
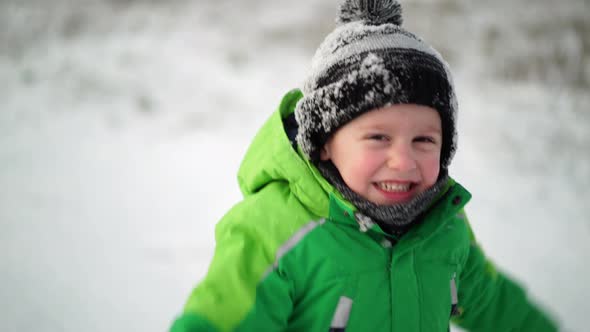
395,219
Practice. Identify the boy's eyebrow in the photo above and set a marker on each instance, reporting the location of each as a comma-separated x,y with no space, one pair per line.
437,130
428,128
372,127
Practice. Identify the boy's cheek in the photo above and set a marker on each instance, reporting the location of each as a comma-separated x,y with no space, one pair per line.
432,171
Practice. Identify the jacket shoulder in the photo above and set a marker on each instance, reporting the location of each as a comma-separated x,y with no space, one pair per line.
274,213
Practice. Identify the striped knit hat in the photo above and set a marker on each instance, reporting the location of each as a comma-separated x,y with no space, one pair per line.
369,61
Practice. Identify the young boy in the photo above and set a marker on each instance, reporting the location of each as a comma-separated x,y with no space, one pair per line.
350,220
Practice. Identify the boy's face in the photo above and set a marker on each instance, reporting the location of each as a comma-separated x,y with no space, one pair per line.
388,155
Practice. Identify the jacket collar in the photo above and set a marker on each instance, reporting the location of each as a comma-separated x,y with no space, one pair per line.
449,203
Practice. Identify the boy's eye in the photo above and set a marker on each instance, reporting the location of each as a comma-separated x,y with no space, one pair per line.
377,137
425,139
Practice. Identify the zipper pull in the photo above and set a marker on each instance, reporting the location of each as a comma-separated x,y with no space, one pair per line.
454,296
342,314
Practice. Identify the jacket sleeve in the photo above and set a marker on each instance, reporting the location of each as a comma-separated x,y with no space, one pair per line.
490,301
242,290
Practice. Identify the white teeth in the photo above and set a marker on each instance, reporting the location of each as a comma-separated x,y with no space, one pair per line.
394,187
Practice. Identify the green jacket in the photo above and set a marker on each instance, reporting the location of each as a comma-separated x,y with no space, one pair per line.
291,257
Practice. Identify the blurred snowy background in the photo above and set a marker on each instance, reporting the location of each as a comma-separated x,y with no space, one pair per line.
123,122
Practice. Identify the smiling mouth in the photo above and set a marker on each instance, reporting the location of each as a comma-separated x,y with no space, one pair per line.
394,187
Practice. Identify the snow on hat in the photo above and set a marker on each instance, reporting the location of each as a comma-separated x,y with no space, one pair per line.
369,61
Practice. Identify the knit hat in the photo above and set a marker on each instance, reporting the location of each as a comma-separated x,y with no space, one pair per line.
369,61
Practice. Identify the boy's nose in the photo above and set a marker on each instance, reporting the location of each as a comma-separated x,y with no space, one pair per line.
401,158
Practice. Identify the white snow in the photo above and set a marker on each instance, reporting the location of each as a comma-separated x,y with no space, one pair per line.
122,125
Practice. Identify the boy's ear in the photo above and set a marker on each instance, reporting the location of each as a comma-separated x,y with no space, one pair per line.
325,153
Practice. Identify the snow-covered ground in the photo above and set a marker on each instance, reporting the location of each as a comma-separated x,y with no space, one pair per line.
122,124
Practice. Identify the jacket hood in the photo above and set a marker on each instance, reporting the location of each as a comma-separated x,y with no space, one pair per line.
272,157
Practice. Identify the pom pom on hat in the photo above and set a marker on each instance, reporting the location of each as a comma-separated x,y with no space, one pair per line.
372,12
